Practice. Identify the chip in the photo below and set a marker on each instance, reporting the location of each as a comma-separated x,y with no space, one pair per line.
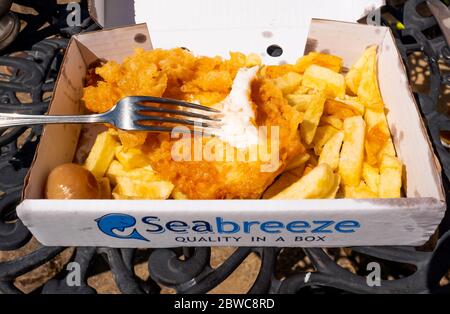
323,135
116,170
358,192
312,117
375,141
129,188
331,150
289,82
352,154
390,177
371,176
354,104
378,118
339,109
300,171
132,158
368,90
332,120
102,154
298,161
331,62
354,76
362,80
300,102
283,182
319,183
325,79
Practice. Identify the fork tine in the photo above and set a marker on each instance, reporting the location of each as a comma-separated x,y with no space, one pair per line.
169,101
144,118
173,111
153,128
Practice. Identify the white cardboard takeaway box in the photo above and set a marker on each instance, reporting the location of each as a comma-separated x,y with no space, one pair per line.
249,26
318,223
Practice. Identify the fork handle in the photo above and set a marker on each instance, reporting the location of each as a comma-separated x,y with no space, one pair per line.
14,119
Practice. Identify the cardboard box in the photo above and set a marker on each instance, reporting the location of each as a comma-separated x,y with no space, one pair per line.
305,223
249,26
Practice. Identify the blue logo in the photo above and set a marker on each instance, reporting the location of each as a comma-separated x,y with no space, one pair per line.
108,224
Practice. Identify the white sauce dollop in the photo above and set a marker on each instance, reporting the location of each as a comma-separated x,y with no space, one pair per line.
238,115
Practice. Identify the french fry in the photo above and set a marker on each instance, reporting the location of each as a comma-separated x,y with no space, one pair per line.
374,118
325,79
311,118
303,90
283,182
298,161
331,62
332,120
331,150
358,192
313,159
132,158
368,90
371,176
116,170
339,109
299,172
300,102
318,183
354,104
289,82
388,149
117,196
135,189
335,188
352,154
390,177
102,154
323,135
376,140
308,169
354,76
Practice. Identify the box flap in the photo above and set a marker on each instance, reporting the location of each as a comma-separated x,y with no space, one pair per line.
113,44
216,27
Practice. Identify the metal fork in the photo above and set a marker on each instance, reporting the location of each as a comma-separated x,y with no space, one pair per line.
129,114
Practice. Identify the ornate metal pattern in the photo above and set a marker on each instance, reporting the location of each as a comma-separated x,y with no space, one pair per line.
33,72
